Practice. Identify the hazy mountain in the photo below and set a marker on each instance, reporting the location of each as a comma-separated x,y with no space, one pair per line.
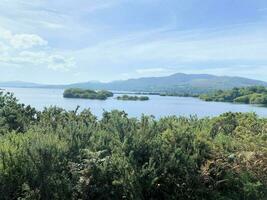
177,83
19,84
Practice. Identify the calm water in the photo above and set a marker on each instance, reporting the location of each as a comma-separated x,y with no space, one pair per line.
157,105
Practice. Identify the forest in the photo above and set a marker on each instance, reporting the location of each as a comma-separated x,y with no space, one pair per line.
132,98
247,95
87,94
59,154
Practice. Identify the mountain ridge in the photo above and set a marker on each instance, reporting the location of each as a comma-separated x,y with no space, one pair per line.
176,83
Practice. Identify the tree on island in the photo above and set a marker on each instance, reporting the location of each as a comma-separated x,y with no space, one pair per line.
133,98
87,94
247,95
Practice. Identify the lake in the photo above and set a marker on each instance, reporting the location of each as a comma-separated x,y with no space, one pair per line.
157,105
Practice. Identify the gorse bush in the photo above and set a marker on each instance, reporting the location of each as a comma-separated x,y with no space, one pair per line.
59,154
13,115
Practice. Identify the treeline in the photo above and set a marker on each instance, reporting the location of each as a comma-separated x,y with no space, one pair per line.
59,154
87,94
132,98
248,95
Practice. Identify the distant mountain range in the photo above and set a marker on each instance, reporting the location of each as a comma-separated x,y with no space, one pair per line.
177,83
20,84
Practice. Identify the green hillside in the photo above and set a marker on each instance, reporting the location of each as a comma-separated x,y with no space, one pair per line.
247,95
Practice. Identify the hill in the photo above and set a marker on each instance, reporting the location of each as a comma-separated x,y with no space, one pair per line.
177,83
20,84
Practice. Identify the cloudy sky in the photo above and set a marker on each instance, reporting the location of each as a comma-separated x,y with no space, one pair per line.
64,41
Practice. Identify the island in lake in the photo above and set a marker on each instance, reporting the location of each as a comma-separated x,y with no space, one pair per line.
247,95
133,98
87,94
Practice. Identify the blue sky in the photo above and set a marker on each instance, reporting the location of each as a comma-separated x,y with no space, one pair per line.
66,41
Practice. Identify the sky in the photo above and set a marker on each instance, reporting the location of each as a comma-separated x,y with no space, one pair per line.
66,41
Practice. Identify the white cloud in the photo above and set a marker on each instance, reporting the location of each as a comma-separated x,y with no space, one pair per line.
3,48
123,43
21,50
91,6
21,41
152,71
25,41
179,47
58,62
51,25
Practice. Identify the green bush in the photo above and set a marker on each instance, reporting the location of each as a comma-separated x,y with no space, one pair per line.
71,155
14,115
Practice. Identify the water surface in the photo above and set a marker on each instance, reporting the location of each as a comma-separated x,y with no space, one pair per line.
157,106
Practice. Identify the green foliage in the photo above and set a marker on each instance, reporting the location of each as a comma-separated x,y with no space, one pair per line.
258,98
13,115
87,94
71,155
248,95
133,98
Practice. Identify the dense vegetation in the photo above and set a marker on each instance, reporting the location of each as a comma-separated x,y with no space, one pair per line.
87,94
248,95
133,98
163,94
59,154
